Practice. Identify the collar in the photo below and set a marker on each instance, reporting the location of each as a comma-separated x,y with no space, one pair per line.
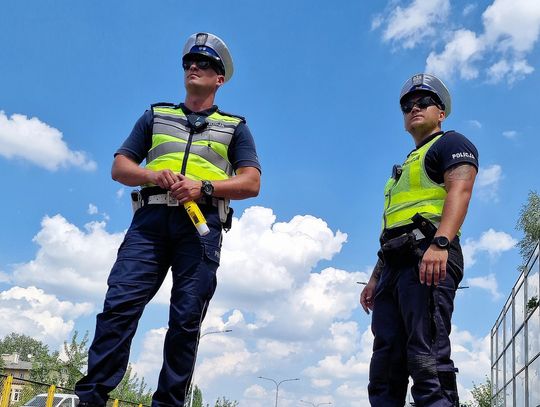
206,112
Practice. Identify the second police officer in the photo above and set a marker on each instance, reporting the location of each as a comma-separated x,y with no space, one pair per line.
412,288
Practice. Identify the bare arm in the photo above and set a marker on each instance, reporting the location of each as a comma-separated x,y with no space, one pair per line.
367,294
459,183
128,172
245,184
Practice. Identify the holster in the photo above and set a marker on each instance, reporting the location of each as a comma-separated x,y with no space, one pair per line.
406,248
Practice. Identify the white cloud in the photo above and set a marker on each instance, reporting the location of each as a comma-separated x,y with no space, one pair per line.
42,316
468,9
65,252
120,193
39,143
92,209
492,242
459,55
499,51
511,30
151,356
510,134
475,123
488,283
414,23
487,182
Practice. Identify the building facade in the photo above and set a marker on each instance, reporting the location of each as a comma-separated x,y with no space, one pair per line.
19,369
515,343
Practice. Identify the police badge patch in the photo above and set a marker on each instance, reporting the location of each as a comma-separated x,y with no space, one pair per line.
417,79
201,39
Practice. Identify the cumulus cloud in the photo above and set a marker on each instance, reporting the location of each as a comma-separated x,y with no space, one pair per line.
511,30
497,52
488,283
70,257
414,23
487,182
42,316
92,209
491,242
32,140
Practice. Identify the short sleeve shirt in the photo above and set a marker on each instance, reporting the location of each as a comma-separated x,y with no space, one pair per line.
451,149
241,152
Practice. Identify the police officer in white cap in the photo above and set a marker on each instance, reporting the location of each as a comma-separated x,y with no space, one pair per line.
193,152
411,290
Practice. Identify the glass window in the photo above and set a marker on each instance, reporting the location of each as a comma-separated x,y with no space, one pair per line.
509,396
534,379
508,363
499,379
508,326
532,291
519,307
500,338
520,389
519,350
533,334
16,395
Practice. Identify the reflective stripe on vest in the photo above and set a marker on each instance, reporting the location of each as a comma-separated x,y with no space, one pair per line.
208,154
414,192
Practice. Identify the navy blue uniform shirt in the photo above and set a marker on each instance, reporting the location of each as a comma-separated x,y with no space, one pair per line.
451,149
241,153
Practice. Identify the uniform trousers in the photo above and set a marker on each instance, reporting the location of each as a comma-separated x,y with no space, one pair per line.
411,324
159,238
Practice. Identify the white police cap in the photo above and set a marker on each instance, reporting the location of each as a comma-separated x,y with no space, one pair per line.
428,83
211,46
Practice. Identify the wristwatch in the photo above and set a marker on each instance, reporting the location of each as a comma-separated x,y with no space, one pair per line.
441,242
207,189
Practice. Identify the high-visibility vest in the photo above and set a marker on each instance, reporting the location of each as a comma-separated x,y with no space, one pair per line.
207,158
413,192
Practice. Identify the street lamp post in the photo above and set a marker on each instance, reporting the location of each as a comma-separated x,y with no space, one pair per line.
277,384
315,405
193,374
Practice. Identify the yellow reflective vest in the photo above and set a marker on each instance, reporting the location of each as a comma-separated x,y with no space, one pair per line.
413,192
207,158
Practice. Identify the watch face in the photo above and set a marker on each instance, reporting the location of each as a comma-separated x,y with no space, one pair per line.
207,188
441,241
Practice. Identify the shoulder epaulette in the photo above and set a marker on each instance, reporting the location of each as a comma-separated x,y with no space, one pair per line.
242,118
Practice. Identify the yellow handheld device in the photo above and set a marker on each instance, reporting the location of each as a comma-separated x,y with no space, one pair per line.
197,217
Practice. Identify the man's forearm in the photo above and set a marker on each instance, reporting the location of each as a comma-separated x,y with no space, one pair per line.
245,184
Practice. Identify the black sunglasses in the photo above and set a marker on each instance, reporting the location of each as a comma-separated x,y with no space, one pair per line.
200,63
422,103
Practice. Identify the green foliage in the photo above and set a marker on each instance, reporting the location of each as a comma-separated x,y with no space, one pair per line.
76,354
481,395
224,402
26,347
197,397
133,389
529,224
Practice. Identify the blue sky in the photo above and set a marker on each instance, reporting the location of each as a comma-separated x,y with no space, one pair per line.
319,85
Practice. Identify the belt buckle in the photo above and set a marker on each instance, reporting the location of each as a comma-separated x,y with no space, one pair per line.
170,200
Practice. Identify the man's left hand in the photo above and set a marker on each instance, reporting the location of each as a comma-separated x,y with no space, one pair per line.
186,189
433,265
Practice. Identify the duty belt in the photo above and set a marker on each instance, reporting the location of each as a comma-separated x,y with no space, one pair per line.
158,196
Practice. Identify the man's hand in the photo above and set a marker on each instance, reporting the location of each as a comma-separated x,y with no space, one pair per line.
185,189
367,294
433,265
164,178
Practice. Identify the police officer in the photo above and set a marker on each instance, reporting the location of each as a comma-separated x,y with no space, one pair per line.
412,288
193,152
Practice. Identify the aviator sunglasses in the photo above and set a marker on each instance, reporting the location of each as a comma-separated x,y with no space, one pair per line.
200,63
422,103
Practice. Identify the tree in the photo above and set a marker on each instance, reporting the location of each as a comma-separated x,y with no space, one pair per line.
133,389
76,354
224,402
529,224
197,397
26,347
481,395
